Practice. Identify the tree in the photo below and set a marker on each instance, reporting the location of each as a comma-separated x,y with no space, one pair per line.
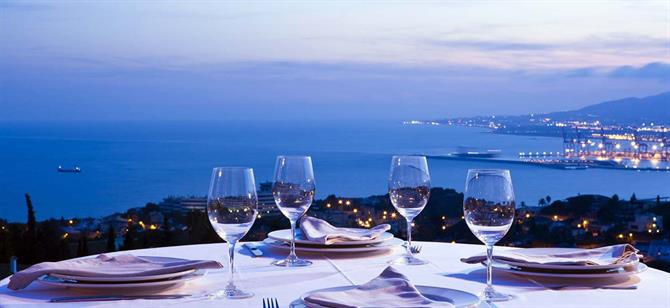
168,237
633,198
111,239
27,246
658,199
32,230
615,197
548,199
542,202
64,249
5,246
129,238
82,246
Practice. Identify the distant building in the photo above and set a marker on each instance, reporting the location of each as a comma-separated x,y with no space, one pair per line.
117,222
193,204
659,249
156,218
266,202
645,222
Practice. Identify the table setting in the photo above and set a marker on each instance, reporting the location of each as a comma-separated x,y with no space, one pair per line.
344,266
318,236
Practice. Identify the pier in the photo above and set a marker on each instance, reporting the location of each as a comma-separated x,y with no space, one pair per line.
555,163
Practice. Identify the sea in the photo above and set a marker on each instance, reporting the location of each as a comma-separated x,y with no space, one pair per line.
127,164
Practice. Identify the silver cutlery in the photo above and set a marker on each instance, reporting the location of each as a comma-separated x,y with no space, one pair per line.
95,298
253,249
270,303
415,249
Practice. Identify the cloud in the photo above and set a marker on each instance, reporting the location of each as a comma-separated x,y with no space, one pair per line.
655,70
490,45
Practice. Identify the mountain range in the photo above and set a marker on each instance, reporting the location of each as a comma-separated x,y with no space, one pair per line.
631,110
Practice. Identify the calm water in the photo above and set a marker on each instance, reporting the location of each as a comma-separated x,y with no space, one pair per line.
126,165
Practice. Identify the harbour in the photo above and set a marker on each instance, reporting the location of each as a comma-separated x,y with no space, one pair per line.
554,163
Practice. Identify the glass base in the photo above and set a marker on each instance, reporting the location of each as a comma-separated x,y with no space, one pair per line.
409,260
231,293
490,295
292,262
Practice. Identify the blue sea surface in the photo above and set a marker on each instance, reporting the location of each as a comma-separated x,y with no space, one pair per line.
129,164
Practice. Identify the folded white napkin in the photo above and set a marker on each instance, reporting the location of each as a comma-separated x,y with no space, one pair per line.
124,265
390,289
616,254
322,232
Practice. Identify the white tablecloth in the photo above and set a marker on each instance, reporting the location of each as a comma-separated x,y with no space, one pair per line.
287,284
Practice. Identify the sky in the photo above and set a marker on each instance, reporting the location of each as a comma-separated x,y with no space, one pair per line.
213,60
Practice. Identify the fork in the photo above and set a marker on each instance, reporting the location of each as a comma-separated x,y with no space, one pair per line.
270,303
416,249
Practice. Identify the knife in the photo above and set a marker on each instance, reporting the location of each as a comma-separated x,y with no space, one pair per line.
94,298
255,252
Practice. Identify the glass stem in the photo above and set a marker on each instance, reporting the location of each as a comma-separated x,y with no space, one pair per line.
489,269
409,237
292,255
231,268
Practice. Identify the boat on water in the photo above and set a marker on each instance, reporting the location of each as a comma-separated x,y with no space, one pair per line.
574,167
472,153
76,169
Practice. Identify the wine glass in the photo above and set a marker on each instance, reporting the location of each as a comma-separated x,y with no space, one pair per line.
488,206
293,190
232,209
409,190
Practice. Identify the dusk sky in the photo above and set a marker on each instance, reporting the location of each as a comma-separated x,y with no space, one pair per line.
188,60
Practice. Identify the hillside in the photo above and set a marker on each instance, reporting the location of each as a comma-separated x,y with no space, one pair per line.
630,110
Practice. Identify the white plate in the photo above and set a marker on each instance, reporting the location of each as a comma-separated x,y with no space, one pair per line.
122,279
57,282
545,251
108,278
460,299
285,236
386,245
614,273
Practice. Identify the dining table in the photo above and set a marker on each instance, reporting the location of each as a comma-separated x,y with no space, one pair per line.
650,288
